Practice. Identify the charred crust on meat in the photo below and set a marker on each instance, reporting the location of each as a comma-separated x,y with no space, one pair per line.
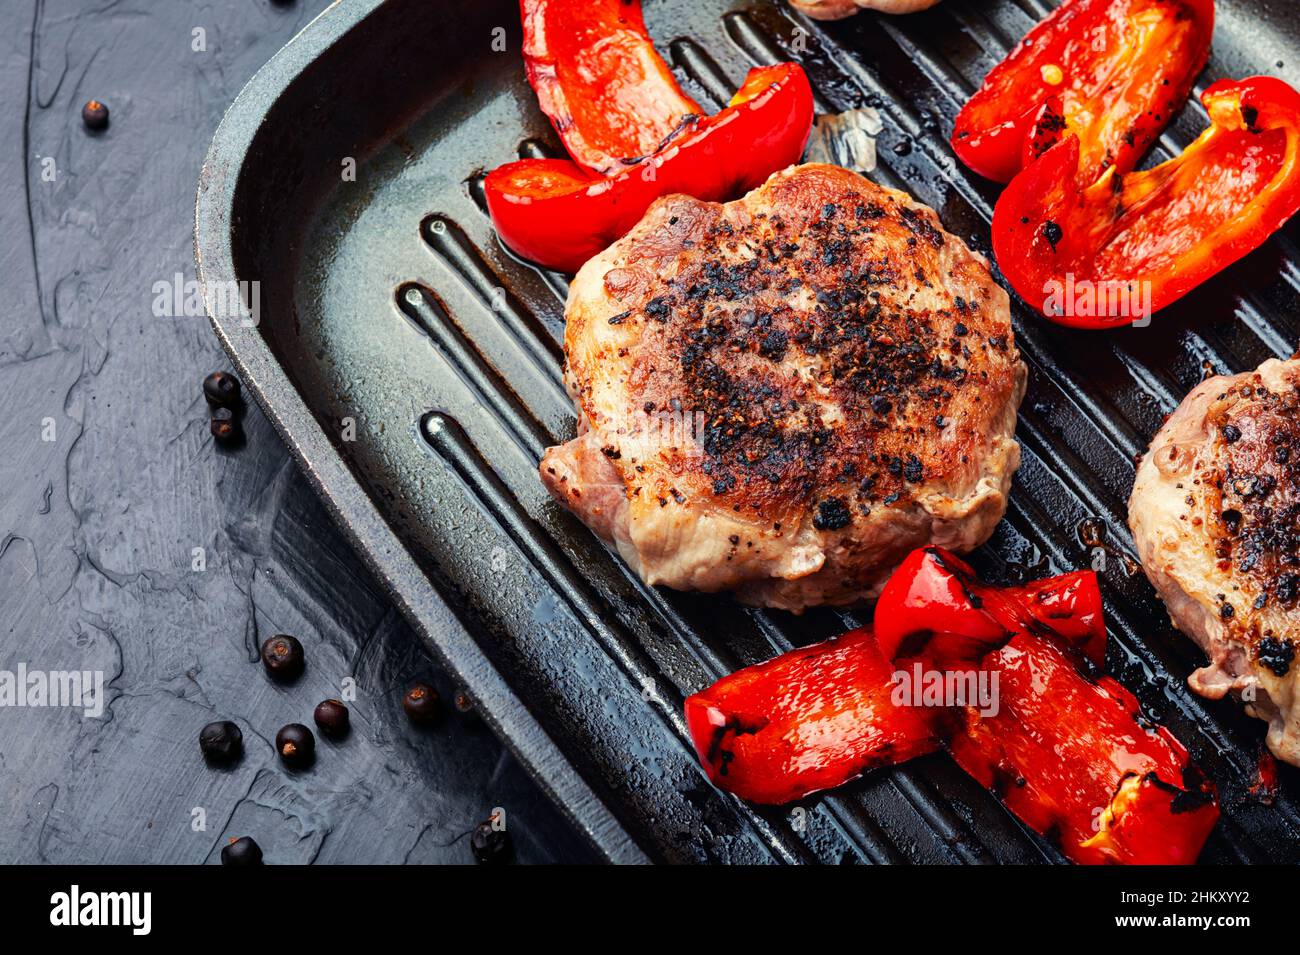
1255,491
920,223
813,355
879,355
657,308
1275,654
832,515
774,344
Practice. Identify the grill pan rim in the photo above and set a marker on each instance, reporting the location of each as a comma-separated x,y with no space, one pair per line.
347,502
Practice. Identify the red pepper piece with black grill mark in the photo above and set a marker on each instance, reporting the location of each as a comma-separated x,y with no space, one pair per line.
1111,72
1069,754
808,720
1152,236
934,606
550,211
1072,758
597,75
819,716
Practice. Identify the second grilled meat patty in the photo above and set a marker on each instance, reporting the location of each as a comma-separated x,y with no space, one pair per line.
785,394
1215,514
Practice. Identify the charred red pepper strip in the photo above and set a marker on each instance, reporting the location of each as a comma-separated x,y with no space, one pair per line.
1112,72
1070,757
597,75
1152,236
547,210
934,606
809,720
1067,754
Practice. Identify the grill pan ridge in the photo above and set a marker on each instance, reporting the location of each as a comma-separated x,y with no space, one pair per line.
387,302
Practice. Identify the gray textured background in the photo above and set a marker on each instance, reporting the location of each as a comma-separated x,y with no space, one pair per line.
98,526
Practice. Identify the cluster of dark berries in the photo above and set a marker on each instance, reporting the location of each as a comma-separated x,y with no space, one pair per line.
284,660
222,742
221,389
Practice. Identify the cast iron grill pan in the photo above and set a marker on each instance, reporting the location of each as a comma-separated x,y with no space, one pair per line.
390,307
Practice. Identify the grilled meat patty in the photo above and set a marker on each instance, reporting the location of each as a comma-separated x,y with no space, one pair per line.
1215,514
785,394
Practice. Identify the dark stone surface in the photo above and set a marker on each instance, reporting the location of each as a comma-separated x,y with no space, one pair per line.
111,481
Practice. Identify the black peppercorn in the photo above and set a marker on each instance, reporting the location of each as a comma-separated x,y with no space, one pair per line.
332,718
221,742
421,703
95,115
223,426
283,657
491,846
241,852
296,745
221,389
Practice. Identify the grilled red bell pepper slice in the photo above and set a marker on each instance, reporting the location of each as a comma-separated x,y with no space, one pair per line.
935,607
1068,754
1152,236
597,75
547,210
1112,72
808,720
1071,758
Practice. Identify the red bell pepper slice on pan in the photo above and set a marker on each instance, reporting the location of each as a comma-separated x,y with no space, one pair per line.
1112,72
1150,237
819,716
808,720
1070,757
547,210
1067,754
935,607
597,75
